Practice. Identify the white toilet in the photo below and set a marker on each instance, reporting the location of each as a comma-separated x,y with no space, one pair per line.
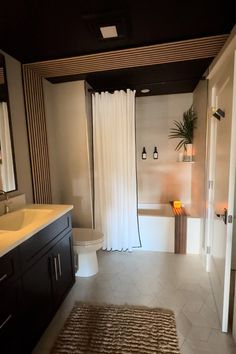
86,244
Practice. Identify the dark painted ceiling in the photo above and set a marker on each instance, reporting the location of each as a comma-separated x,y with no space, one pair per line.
159,79
35,30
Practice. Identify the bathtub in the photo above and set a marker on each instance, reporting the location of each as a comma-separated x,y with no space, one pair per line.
157,229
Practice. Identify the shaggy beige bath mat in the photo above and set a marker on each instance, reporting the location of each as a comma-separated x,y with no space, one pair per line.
118,329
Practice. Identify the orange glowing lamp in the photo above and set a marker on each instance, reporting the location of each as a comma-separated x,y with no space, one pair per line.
177,204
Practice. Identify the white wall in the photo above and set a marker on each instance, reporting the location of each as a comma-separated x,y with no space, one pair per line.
67,126
18,118
53,146
199,182
199,146
165,179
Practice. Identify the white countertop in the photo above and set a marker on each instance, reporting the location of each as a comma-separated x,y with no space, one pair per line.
11,239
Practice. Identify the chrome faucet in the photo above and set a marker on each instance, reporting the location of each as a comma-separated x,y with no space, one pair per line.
7,209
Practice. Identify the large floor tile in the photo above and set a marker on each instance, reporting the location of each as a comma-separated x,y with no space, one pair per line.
177,282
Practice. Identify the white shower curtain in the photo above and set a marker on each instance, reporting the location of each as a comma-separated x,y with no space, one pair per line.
115,169
7,171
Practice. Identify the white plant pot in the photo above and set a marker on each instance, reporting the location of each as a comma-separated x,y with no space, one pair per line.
188,152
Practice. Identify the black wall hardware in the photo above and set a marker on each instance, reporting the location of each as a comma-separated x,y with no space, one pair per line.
144,154
155,153
218,114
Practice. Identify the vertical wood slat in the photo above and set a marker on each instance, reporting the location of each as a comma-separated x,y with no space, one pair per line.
37,135
180,230
191,49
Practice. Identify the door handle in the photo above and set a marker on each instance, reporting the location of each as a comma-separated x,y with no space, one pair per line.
223,216
5,322
3,277
59,264
55,267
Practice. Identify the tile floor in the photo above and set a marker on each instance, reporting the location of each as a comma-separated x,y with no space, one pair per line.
177,282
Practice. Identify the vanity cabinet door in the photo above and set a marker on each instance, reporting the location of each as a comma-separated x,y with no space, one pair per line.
9,268
37,301
45,285
10,297
10,319
41,243
63,268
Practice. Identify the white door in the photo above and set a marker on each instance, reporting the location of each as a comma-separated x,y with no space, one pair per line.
221,198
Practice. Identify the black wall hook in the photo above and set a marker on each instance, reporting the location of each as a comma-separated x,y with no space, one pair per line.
218,114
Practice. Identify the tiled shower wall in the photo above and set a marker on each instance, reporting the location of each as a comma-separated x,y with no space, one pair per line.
165,179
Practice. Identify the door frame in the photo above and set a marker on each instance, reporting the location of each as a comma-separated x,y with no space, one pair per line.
231,193
211,142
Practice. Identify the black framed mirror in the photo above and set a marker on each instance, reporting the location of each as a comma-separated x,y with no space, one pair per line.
7,162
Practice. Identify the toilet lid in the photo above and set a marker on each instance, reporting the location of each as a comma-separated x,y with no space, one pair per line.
87,237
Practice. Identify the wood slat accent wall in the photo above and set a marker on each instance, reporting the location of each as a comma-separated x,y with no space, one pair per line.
37,135
199,48
2,79
180,230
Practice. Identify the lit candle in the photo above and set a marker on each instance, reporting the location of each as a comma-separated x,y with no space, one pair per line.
189,150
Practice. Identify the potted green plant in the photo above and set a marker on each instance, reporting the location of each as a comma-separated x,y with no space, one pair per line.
184,130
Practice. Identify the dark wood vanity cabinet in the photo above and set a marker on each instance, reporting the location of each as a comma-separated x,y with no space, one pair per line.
37,306
45,285
10,300
9,268
9,316
45,275
62,270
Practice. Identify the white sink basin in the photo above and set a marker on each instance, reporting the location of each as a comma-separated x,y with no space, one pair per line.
19,219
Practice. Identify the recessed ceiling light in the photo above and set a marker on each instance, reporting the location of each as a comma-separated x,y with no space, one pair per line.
145,90
109,32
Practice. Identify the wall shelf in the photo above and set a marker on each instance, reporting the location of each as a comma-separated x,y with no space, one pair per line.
186,161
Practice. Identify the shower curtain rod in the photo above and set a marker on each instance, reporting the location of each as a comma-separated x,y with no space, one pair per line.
110,91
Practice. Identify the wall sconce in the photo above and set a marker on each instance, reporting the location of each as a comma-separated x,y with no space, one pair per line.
218,114
155,153
144,154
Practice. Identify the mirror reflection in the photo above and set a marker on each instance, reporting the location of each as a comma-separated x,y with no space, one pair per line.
7,170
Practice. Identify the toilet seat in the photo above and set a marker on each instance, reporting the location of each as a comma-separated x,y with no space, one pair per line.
86,237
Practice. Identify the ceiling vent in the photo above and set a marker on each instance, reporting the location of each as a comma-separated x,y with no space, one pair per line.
108,26
109,32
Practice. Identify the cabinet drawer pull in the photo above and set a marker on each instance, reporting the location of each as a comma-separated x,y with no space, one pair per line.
3,277
59,264
5,322
55,268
